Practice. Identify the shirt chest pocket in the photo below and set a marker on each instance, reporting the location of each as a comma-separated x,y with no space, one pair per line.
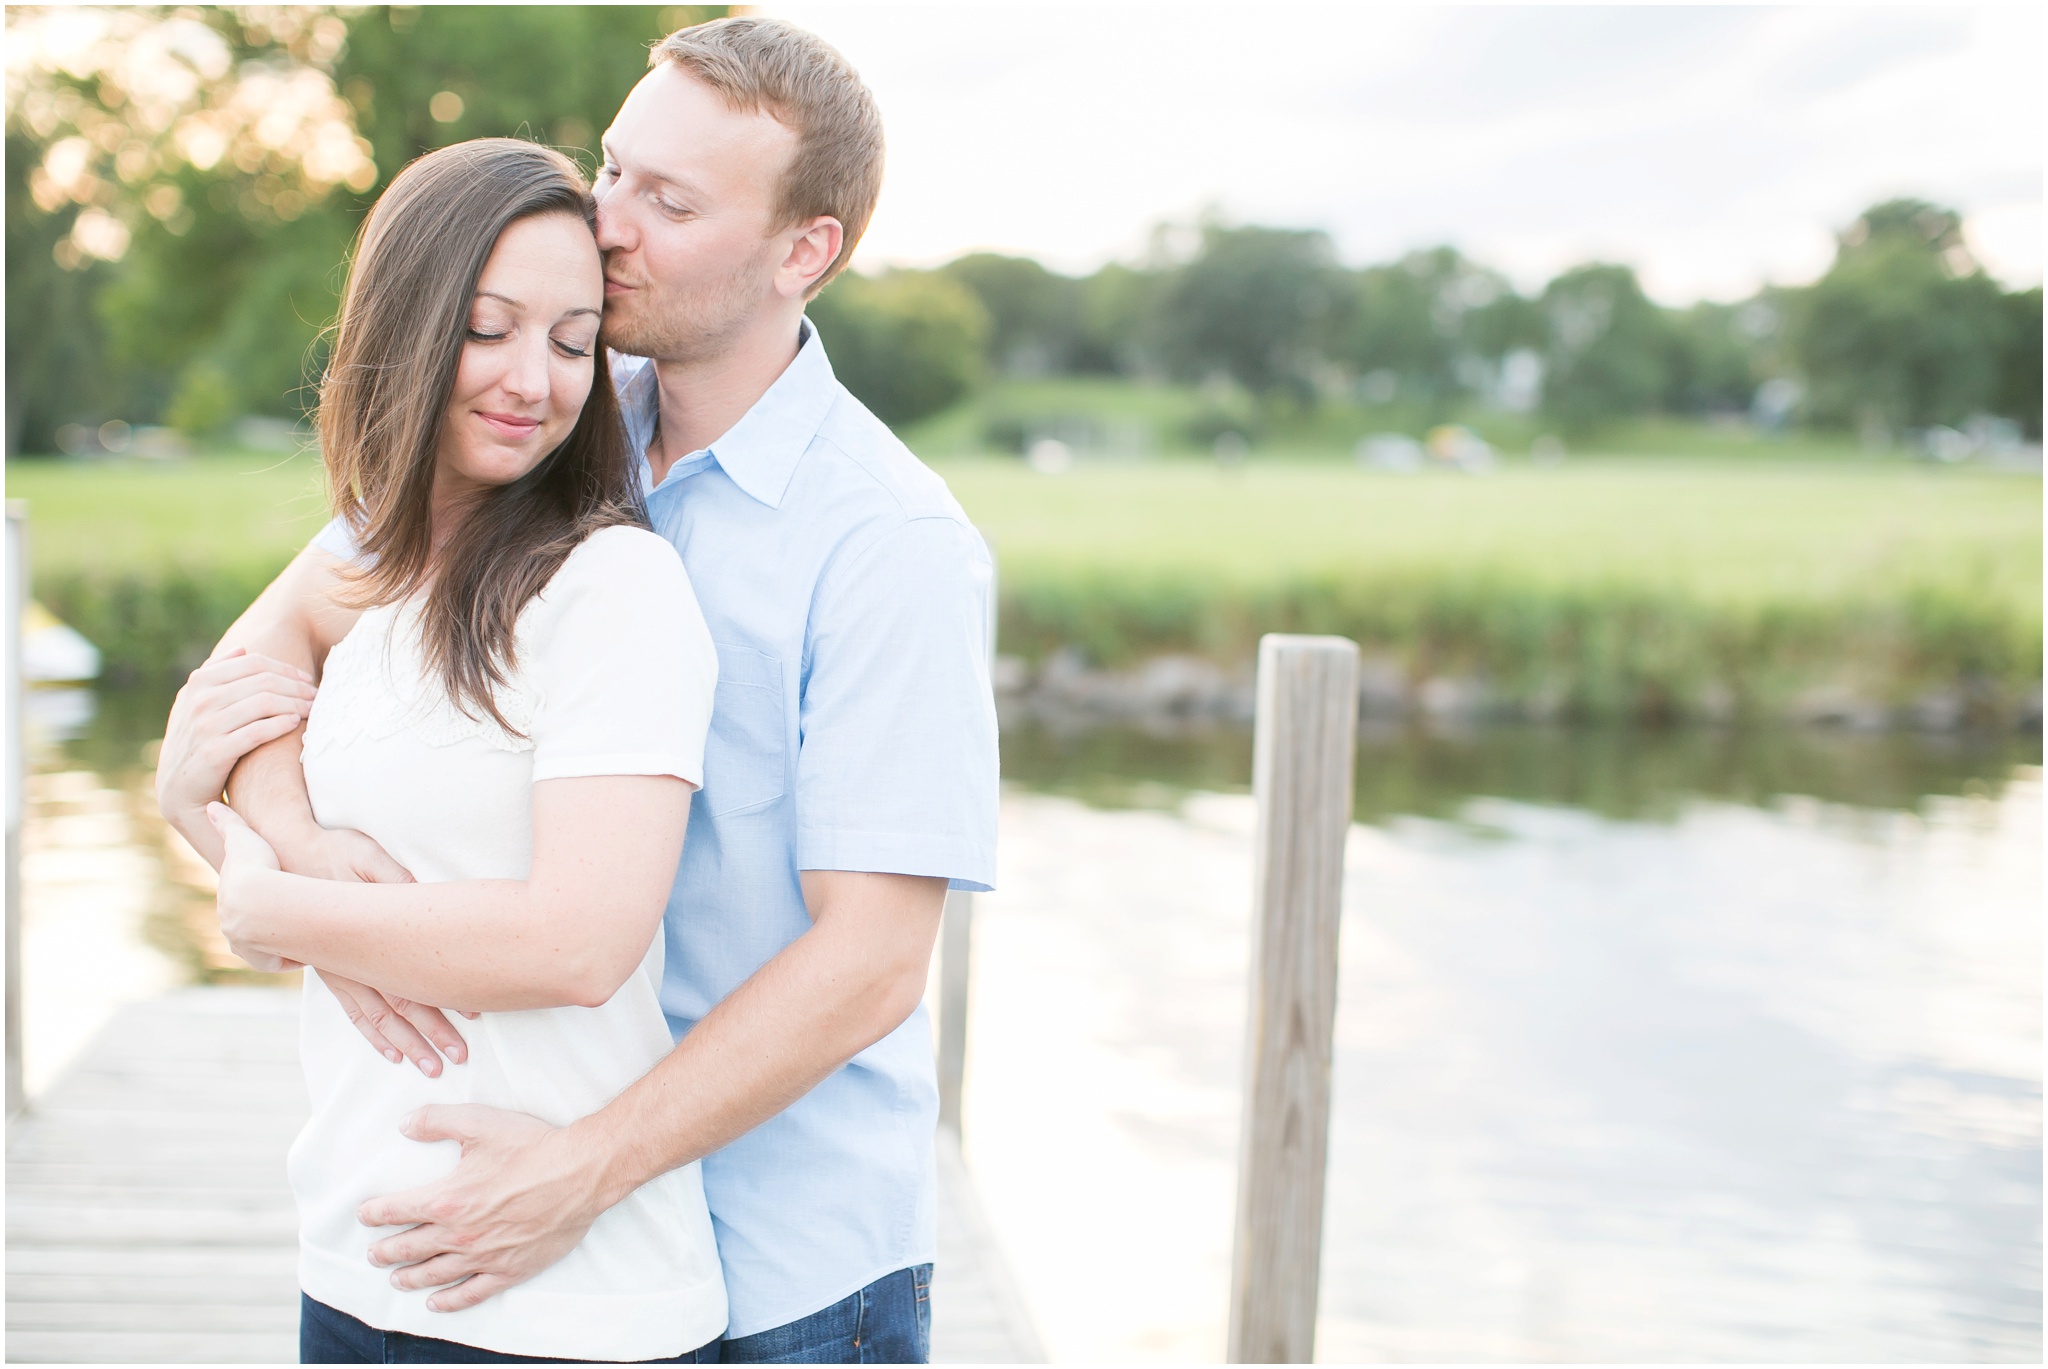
746,750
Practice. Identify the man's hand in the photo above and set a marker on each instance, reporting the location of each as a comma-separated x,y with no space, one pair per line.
230,706
521,1198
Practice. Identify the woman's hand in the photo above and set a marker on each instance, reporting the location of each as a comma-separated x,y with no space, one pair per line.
248,871
228,707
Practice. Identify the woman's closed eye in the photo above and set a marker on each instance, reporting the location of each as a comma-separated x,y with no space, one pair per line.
568,347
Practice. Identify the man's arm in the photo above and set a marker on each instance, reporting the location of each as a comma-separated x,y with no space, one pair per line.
526,1193
207,749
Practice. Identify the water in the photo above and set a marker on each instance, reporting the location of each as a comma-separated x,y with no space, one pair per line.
1651,1047
1684,1046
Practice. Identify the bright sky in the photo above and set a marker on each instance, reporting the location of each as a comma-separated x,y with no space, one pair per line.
1712,148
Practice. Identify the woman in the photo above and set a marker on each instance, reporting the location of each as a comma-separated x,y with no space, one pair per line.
517,716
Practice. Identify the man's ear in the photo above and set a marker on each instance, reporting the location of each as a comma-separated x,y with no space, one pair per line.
813,248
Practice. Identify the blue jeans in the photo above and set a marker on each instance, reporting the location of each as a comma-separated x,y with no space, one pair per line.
888,1322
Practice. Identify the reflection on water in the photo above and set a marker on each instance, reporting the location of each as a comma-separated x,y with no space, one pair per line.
1628,1065
1618,772
115,906
1649,1046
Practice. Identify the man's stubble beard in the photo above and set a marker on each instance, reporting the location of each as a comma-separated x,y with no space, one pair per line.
671,325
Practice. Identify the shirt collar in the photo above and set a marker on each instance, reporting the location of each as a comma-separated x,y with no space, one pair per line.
760,452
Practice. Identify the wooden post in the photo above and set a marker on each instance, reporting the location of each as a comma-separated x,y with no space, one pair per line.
17,766
1302,756
956,944
956,937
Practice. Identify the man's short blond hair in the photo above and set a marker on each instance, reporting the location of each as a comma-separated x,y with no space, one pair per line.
802,82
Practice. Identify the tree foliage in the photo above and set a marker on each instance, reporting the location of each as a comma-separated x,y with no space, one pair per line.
1420,322
1603,345
1256,304
1904,330
182,186
907,343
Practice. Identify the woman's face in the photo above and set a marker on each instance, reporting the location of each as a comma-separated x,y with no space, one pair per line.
528,357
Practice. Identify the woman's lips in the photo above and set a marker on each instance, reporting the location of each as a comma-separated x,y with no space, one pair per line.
510,425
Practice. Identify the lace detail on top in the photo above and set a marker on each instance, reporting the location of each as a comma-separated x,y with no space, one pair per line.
376,686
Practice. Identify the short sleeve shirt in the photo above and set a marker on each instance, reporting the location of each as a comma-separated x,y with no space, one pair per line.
613,675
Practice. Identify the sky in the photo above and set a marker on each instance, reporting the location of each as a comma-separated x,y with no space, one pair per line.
1715,149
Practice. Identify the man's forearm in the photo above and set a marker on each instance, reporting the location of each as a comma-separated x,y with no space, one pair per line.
268,788
830,994
285,624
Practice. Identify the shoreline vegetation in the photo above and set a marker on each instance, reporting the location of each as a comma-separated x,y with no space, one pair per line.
1862,592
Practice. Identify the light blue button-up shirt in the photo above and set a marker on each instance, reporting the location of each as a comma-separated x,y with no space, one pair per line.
853,729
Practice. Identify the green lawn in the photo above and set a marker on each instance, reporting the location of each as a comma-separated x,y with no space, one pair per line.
225,510
1609,587
1725,532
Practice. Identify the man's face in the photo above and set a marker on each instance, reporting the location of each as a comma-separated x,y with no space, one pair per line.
686,202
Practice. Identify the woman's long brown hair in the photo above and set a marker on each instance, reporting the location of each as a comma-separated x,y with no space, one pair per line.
404,321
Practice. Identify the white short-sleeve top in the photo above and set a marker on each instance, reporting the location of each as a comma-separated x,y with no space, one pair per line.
613,674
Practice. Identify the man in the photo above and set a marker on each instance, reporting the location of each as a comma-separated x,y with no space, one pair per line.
850,772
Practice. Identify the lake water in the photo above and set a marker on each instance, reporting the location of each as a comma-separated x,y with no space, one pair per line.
1694,1046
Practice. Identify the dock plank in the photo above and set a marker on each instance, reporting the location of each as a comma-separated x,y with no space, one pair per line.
149,1221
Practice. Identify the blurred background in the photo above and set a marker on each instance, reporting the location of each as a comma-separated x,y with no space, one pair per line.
1653,393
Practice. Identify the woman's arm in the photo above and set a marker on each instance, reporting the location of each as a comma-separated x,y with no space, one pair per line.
604,855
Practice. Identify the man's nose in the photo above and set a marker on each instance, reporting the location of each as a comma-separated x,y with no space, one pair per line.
612,234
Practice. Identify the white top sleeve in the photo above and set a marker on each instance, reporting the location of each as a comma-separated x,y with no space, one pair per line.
619,662
336,540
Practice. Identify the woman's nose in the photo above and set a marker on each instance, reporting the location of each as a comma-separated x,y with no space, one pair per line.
528,378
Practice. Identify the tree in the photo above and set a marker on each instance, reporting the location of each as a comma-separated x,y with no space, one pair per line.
1256,304
1035,316
1904,330
1604,348
183,184
1710,360
2019,371
1423,319
1117,305
907,343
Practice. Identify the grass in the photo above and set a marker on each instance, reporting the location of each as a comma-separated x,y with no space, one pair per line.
152,560
223,510
1601,588
1729,534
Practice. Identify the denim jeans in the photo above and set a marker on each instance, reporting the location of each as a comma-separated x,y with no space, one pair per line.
330,1337
888,1322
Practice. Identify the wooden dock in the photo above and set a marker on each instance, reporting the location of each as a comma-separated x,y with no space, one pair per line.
148,1219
